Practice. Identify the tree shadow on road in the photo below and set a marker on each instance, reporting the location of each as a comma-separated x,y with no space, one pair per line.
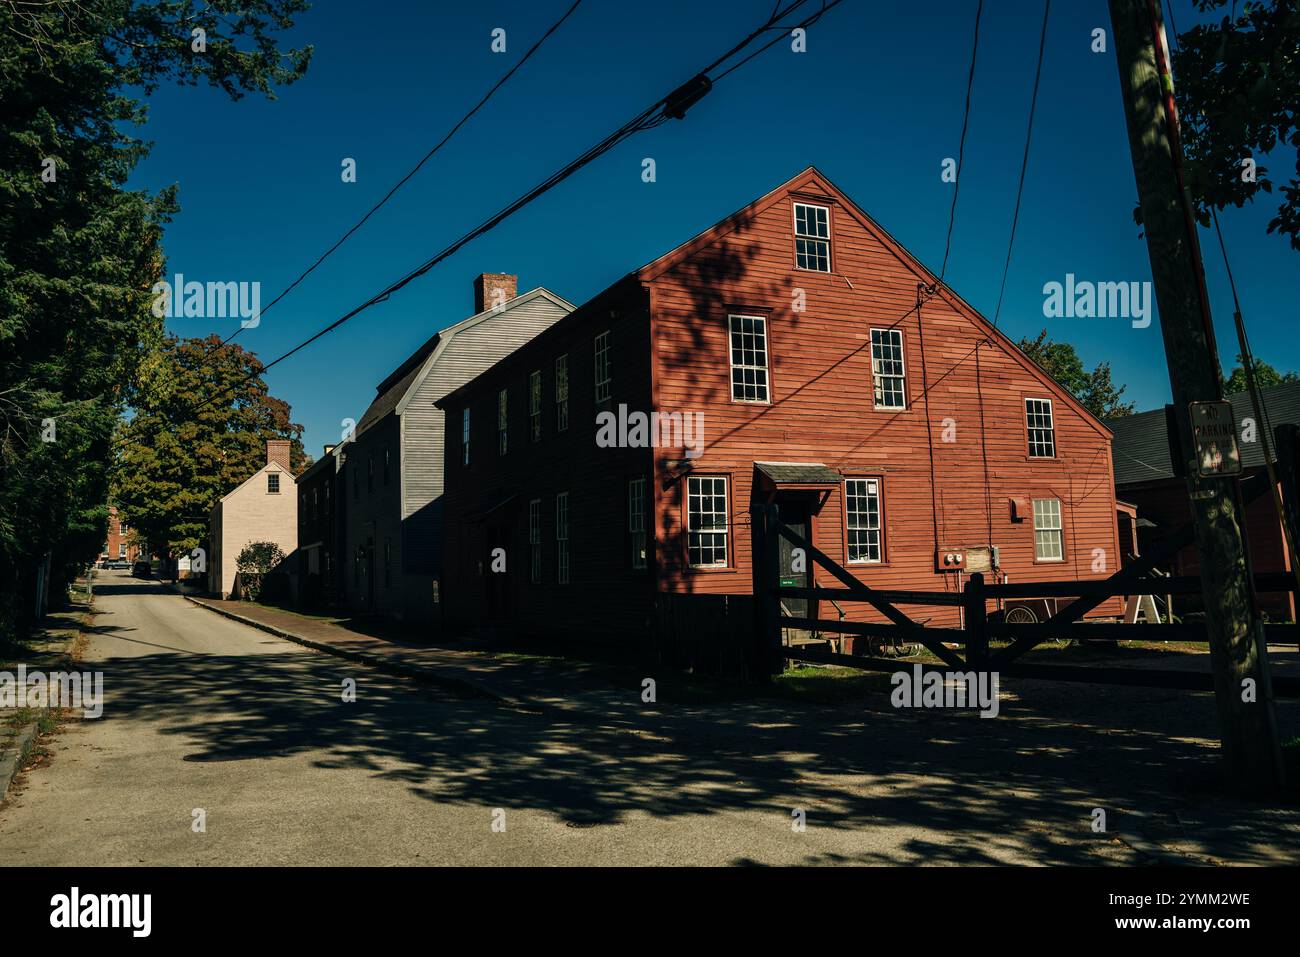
1023,785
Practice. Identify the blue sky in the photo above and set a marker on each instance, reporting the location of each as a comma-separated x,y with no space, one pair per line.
875,103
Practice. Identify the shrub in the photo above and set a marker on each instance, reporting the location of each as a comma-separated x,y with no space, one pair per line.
255,561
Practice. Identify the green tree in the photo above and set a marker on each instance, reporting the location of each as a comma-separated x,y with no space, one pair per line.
254,563
1094,389
181,451
1237,87
79,252
1265,376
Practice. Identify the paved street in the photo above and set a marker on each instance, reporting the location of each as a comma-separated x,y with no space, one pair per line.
204,712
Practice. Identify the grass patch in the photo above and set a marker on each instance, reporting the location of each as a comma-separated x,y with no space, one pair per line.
830,684
18,718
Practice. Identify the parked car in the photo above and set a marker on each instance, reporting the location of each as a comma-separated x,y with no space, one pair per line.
142,570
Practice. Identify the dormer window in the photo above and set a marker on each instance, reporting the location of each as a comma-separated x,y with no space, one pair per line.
812,237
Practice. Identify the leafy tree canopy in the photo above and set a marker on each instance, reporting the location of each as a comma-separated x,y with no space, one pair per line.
1237,87
1265,376
1094,389
79,252
182,452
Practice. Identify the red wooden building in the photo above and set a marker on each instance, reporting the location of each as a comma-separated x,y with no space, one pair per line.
116,547
783,357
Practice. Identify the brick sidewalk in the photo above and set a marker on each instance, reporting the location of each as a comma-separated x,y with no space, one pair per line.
522,682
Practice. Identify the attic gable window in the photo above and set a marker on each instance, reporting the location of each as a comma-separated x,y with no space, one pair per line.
812,237
273,483
1042,429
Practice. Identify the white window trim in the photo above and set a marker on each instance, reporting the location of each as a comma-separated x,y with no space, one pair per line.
767,384
880,523
1058,528
902,360
794,227
1051,429
726,529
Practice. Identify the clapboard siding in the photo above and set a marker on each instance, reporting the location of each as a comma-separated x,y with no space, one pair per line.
959,374
402,519
462,355
605,595
669,323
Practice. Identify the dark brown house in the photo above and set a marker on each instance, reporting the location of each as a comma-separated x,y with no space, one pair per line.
1144,477
602,475
320,527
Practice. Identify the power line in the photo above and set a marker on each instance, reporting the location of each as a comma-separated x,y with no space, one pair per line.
415,169
961,145
1024,161
674,105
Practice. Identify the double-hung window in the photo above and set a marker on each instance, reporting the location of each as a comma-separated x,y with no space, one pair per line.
562,538
748,358
273,483
1048,546
812,237
862,519
562,393
535,406
706,521
888,376
501,422
1042,430
636,521
535,541
464,436
601,353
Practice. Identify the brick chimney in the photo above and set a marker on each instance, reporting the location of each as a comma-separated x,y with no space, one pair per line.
494,289
277,450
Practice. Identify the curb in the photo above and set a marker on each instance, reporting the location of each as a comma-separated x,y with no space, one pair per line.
381,662
11,758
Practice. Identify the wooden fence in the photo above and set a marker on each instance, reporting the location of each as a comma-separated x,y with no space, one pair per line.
970,646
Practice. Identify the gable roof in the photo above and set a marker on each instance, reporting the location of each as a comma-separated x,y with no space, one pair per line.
816,185
269,466
392,393
555,329
1141,442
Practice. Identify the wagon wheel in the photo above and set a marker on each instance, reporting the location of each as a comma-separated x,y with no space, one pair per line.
1024,615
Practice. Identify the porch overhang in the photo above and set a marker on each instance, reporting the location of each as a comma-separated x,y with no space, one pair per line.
812,476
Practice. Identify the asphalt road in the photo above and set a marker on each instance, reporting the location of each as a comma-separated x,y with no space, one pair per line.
204,713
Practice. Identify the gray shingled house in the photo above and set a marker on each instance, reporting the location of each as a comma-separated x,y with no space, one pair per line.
391,471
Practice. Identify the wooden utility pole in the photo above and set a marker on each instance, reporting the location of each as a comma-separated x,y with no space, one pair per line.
1239,655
